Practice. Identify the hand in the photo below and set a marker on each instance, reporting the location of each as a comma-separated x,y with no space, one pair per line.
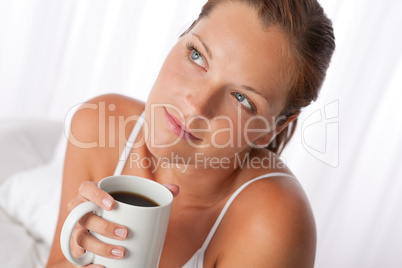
83,240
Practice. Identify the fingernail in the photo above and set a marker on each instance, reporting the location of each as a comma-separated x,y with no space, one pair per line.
117,252
120,232
107,203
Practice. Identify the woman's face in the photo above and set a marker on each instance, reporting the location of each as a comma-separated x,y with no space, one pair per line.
221,88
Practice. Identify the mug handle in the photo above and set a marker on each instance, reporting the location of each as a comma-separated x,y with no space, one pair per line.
75,215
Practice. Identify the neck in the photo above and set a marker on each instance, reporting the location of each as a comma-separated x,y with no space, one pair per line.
201,184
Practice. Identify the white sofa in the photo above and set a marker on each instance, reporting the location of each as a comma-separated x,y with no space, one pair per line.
31,163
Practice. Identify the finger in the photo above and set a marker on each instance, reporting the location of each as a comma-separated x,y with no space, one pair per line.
173,188
93,266
103,227
90,191
76,250
85,240
75,202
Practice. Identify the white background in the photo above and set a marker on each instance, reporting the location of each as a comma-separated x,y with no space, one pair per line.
347,148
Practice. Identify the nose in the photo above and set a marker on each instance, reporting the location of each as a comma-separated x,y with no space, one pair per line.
202,101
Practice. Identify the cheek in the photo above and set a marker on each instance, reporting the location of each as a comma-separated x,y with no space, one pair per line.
229,132
256,127
173,71
170,80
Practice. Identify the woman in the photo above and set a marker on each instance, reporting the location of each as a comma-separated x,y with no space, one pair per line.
224,105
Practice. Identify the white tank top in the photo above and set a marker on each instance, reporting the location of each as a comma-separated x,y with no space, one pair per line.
197,260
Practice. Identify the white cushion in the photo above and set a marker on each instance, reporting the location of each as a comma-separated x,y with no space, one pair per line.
26,144
17,248
29,199
32,198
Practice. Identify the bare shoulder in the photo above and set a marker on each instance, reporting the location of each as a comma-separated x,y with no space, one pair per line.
269,224
107,105
99,110
98,132
100,128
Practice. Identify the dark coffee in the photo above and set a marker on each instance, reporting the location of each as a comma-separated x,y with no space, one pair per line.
133,199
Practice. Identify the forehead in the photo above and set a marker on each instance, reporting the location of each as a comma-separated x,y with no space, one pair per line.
251,54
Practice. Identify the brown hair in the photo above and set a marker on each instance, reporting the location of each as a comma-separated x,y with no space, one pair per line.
312,43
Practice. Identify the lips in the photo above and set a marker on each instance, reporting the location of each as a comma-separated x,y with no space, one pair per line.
178,128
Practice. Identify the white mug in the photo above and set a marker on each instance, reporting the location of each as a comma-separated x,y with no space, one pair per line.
147,226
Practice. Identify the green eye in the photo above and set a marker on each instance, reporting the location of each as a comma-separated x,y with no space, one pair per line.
198,58
243,100
195,55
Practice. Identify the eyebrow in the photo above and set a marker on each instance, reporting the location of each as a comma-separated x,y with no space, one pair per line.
204,45
248,88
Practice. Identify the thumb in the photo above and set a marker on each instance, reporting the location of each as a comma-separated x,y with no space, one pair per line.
173,188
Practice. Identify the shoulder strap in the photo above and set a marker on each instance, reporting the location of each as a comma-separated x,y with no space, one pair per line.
129,144
229,202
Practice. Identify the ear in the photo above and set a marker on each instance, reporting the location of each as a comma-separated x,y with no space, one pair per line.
267,139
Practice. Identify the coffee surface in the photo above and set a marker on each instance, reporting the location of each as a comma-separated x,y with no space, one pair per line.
133,199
